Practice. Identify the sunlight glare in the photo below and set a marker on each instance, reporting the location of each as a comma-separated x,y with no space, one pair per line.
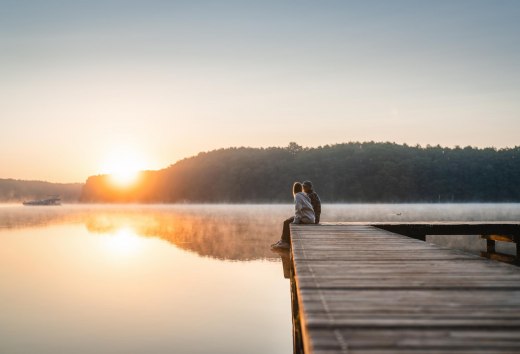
125,242
123,166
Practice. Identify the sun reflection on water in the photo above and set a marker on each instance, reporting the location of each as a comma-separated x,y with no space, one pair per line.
123,243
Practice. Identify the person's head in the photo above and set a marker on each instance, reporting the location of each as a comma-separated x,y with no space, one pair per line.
307,186
297,187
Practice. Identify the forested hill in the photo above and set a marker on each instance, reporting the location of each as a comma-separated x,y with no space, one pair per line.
351,172
13,190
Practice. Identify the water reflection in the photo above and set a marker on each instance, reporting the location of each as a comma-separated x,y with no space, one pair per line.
233,236
124,242
229,232
242,232
140,280
157,279
285,257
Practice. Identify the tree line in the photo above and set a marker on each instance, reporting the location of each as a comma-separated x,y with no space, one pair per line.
14,190
349,172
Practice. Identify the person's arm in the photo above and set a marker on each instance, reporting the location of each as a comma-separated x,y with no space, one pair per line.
298,204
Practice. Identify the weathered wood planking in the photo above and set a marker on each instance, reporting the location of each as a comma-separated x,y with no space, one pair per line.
361,289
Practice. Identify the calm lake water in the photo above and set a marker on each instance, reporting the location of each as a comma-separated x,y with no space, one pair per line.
167,278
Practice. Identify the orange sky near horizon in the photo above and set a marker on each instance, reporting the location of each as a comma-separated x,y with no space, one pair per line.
110,86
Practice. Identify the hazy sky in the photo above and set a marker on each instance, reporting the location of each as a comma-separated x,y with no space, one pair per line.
83,83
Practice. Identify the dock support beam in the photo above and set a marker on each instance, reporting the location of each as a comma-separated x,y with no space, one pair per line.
491,252
491,232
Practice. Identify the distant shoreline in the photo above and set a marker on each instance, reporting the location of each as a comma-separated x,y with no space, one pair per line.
11,203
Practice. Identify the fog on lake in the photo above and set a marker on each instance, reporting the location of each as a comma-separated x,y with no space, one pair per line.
168,278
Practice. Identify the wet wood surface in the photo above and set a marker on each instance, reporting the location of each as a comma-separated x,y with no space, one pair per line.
361,289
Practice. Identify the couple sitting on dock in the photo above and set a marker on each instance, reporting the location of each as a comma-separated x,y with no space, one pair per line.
307,210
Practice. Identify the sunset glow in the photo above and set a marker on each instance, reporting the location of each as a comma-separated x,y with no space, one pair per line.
124,175
277,177
174,78
123,165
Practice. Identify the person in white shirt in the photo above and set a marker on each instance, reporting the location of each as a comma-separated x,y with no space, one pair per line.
303,211
303,214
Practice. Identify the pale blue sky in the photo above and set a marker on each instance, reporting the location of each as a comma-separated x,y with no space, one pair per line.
84,82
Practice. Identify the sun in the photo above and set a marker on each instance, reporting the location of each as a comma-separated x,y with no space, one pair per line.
124,174
123,165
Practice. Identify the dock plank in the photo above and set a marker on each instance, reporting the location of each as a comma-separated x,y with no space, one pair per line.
362,289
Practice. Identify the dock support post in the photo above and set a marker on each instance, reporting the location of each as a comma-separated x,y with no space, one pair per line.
490,246
296,322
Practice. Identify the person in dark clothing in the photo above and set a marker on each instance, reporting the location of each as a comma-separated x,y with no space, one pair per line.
284,242
315,200
286,232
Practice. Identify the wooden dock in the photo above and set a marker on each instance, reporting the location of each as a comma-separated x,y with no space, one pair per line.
362,289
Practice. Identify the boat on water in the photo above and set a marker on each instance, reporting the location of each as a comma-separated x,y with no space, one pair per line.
54,200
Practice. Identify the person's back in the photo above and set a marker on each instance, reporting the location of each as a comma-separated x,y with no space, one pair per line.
315,200
303,211
303,214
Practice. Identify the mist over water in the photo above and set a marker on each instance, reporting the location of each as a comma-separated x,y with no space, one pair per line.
242,231
141,279
431,213
168,278
422,212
